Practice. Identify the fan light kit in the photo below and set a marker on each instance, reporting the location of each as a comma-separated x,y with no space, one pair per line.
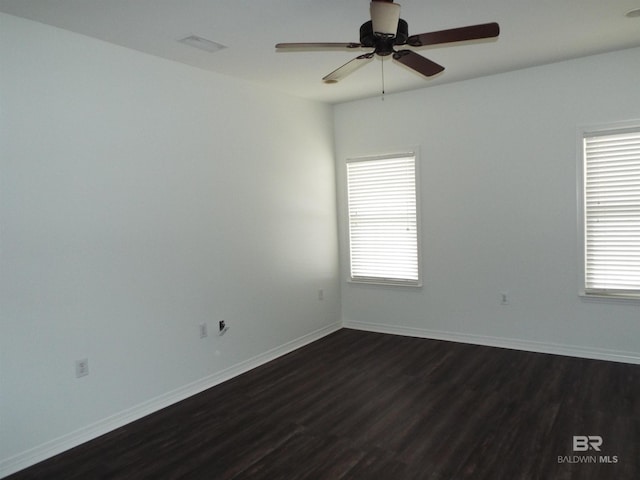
633,13
385,31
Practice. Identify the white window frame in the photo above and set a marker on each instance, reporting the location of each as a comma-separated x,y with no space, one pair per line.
382,280
584,133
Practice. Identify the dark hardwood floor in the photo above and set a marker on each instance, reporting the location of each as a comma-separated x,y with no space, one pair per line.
361,405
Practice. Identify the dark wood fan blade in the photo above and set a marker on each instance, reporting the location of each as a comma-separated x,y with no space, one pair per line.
473,32
348,68
316,46
417,62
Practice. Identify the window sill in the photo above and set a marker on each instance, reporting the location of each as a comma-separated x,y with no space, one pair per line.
611,297
384,283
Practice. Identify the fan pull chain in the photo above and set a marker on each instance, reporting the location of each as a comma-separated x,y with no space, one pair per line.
382,67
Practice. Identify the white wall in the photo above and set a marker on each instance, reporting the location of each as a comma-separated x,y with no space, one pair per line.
498,158
141,197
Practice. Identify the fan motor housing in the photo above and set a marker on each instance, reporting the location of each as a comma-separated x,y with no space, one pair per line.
385,45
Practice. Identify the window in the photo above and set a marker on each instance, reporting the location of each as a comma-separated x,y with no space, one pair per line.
611,208
383,221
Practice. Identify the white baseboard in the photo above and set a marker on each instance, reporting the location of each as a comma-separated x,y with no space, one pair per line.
54,447
501,342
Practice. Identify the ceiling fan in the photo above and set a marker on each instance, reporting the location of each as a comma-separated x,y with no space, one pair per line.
385,31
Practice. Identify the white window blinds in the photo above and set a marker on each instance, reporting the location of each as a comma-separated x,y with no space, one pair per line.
612,212
383,224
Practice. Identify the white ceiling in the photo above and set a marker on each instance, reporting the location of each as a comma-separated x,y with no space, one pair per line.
533,32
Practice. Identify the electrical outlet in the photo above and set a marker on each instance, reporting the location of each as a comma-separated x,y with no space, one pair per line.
222,328
504,298
203,330
82,367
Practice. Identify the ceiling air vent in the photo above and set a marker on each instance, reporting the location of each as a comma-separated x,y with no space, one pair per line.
202,43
